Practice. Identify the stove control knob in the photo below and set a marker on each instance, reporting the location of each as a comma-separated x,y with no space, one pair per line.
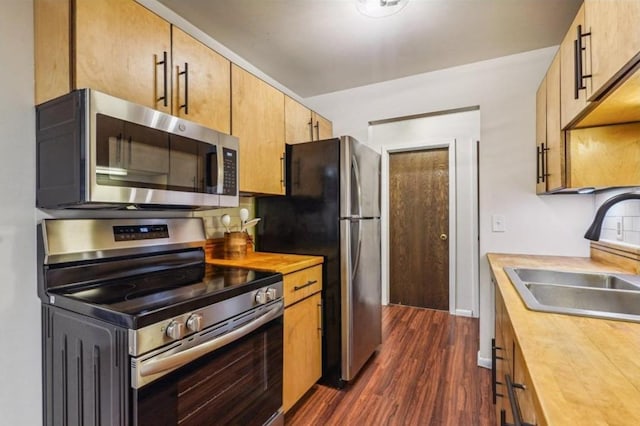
175,330
272,293
194,323
261,297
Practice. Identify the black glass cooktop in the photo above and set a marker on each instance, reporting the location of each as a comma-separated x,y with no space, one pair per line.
171,291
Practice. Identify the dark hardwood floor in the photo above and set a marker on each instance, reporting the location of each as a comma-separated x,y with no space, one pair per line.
425,373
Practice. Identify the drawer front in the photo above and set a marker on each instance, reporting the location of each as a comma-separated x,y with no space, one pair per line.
303,283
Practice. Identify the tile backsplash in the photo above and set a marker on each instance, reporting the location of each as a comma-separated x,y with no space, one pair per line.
213,224
622,223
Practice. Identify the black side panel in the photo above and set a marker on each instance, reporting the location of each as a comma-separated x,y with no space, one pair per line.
306,221
85,370
60,153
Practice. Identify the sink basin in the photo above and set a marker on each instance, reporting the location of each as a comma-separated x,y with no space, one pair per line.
579,279
600,295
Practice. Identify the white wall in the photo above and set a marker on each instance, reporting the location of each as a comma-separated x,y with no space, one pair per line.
504,88
20,378
464,127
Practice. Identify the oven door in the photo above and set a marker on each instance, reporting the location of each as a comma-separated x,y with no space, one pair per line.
237,384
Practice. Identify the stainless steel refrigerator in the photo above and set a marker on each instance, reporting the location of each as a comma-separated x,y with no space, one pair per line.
332,209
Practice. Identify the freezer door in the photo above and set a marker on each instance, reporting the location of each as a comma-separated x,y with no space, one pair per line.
361,307
359,179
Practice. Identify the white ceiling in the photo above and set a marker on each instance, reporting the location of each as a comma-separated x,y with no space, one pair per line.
321,46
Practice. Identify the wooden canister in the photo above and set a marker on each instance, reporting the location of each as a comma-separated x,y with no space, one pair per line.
235,245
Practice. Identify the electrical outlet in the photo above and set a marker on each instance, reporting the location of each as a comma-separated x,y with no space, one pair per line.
619,229
498,223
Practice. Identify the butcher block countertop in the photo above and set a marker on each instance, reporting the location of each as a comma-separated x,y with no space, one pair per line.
585,371
272,262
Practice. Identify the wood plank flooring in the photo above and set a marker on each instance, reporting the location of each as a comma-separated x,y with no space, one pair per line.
425,373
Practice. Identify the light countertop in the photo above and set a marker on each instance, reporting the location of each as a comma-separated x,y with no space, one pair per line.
272,262
585,371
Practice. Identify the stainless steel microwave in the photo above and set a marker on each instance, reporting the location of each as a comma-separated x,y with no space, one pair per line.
96,151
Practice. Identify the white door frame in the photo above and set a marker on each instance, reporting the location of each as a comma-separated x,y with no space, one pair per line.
450,144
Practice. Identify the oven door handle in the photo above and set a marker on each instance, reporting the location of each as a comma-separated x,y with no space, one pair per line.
161,364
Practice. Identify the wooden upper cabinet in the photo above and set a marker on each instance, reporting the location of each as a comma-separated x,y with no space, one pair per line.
120,48
117,47
108,45
614,40
554,154
304,125
573,96
541,136
201,76
606,156
322,128
298,122
257,111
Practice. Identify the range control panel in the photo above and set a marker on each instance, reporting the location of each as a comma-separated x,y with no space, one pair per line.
140,232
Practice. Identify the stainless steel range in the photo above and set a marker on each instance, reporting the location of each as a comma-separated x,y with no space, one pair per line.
138,329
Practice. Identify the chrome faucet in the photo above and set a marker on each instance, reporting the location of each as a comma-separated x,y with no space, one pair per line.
593,233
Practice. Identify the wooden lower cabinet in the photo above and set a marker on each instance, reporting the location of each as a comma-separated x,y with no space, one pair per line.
509,365
302,348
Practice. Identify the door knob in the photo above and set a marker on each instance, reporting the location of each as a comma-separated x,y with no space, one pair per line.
443,237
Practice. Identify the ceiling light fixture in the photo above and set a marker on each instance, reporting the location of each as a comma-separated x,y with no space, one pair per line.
380,8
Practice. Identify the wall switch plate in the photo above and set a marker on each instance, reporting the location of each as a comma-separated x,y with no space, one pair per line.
498,223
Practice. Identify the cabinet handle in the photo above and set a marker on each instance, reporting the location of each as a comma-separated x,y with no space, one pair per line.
282,171
310,124
513,402
307,284
494,370
317,127
545,158
579,48
320,329
186,87
164,63
538,152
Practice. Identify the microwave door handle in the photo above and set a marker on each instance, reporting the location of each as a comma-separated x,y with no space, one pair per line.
160,363
212,159
220,160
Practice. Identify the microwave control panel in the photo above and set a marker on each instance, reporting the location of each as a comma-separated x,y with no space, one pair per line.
230,171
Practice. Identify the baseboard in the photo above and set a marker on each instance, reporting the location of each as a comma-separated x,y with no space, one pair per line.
464,313
484,362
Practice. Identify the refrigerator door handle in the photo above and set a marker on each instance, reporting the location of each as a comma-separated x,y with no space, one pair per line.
356,174
356,263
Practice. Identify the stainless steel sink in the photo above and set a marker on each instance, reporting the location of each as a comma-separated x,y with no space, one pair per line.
601,295
579,279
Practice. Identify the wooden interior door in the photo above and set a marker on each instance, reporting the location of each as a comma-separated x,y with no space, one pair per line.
419,228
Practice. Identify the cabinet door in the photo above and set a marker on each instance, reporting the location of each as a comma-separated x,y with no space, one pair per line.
117,47
51,34
541,137
573,101
257,111
322,128
298,122
555,157
302,348
615,39
524,395
206,99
